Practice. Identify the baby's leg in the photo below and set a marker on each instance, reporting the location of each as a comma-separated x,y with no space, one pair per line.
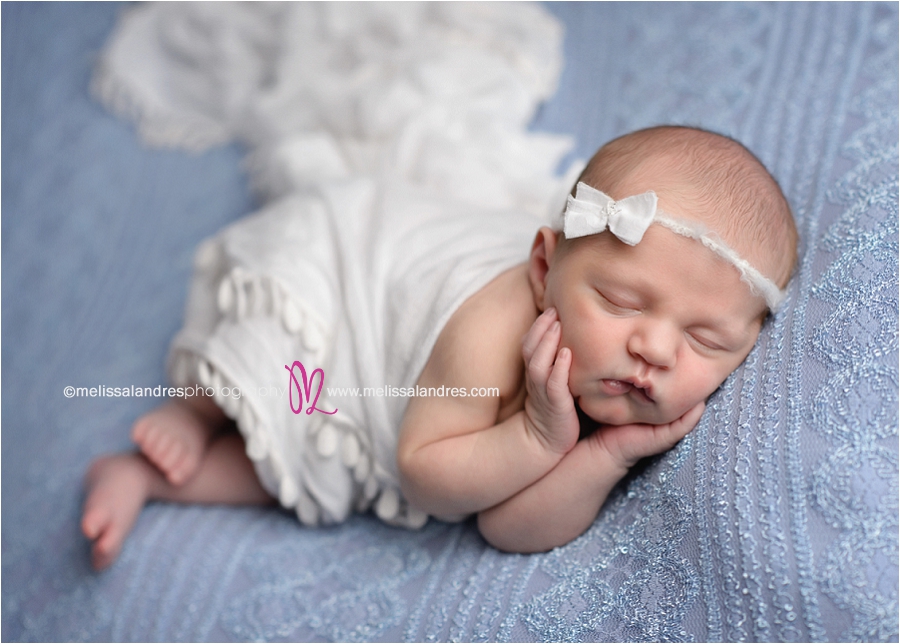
175,435
118,487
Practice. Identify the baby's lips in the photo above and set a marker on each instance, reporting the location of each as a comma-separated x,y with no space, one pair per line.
616,387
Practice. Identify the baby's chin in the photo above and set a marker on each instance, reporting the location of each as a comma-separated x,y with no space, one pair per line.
620,413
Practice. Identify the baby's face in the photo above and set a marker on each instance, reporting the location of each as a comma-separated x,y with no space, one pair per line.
654,328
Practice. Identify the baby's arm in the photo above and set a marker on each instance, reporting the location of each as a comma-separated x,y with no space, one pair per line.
564,503
466,469
460,455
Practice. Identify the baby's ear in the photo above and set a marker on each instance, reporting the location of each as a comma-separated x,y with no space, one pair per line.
542,251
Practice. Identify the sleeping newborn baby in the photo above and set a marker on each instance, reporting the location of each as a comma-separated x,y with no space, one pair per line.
601,349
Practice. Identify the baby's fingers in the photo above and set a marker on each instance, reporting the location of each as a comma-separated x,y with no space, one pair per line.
558,383
666,436
682,426
541,363
536,333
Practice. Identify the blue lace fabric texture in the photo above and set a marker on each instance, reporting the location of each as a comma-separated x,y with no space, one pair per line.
775,520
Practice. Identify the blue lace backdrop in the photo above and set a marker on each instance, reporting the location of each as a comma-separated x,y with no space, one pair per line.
775,520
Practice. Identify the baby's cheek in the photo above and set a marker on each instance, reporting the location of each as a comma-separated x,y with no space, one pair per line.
695,385
678,407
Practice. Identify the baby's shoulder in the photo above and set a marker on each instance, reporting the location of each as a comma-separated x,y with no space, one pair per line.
481,344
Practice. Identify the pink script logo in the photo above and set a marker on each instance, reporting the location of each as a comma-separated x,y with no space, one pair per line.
306,389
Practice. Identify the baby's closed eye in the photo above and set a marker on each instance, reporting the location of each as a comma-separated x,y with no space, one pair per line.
713,340
618,305
704,342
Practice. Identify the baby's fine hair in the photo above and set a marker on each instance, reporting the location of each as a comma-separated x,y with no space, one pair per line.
707,173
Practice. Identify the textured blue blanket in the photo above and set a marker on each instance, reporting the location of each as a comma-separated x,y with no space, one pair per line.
775,520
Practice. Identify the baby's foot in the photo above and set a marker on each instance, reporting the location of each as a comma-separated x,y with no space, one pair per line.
117,488
174,438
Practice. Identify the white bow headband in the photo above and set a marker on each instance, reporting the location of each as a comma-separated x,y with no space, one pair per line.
590,212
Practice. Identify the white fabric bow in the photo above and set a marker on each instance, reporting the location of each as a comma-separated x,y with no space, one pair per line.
590,212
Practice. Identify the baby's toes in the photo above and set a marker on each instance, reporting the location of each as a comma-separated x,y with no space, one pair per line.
169,454
147,437
98,524
192,453
181,468
106,548
157,446
93,521
142,430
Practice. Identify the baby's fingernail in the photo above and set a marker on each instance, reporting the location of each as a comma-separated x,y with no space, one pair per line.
555,326
551,311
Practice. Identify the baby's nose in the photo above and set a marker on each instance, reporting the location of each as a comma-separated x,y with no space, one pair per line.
655,343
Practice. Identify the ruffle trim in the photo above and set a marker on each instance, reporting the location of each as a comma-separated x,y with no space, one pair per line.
242,294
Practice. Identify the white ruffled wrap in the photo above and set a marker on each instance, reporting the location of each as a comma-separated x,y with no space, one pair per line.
389,142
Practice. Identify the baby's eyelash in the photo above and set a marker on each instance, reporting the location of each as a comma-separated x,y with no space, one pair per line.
624,308
706,343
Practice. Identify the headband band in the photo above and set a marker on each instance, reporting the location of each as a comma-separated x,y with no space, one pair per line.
591,212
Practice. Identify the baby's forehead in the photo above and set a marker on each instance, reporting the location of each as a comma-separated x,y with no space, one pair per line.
664,265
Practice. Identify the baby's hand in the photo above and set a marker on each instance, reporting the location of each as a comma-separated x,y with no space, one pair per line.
627,444
549,408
